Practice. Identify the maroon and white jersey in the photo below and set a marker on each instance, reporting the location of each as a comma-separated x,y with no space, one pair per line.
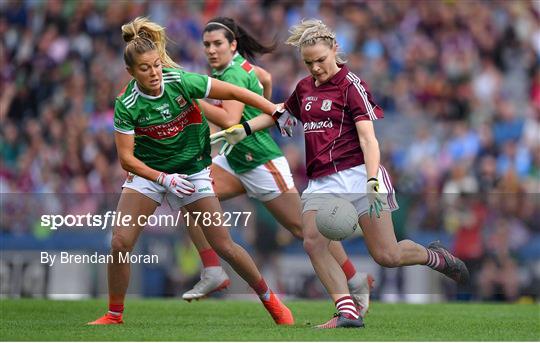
329,113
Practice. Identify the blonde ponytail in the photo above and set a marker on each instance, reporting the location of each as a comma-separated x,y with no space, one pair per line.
142,35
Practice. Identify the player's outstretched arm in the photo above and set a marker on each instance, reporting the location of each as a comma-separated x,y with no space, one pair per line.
229,114
236,133
279,116
225,91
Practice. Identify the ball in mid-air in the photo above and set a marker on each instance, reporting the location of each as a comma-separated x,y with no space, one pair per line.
337,219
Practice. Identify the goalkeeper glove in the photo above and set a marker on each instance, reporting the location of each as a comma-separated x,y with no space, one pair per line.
285,121
176,184
375,199
230,136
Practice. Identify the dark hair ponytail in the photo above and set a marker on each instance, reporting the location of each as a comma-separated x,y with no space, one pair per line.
247,46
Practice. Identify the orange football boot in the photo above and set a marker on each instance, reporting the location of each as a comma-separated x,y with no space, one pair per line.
108,319
279,312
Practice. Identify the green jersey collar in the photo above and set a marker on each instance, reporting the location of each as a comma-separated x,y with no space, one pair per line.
147,96
216,72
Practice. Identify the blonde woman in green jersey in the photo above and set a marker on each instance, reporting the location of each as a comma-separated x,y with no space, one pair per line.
256,165
162,139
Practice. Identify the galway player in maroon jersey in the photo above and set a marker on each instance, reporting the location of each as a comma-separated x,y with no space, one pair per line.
342,157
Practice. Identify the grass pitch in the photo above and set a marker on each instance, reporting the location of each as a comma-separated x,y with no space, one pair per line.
219,320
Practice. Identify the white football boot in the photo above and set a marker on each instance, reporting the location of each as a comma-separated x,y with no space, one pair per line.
213,279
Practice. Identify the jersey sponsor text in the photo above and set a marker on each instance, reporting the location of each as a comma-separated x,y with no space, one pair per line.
189,116
319,126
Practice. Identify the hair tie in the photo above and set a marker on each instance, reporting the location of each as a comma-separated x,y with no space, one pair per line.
223,26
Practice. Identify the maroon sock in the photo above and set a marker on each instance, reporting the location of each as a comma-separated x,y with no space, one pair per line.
209,258
346,307
262,290
348,269
116,308
435,260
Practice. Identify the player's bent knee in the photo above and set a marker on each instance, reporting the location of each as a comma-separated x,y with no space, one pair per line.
388,259
120,245
313,245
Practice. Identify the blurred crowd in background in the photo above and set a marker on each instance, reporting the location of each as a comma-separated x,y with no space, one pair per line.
459,82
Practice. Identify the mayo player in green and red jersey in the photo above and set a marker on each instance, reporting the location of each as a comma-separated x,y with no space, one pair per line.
256,165
342,159
162,140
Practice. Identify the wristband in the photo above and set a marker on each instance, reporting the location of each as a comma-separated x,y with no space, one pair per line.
161,178
247,128
372,179
277,114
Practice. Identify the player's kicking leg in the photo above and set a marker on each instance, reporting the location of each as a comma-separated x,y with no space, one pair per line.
360,284
382,245
441,260
286,208
331,276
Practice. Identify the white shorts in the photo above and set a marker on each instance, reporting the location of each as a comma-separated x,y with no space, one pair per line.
349,184
266,182
156,192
